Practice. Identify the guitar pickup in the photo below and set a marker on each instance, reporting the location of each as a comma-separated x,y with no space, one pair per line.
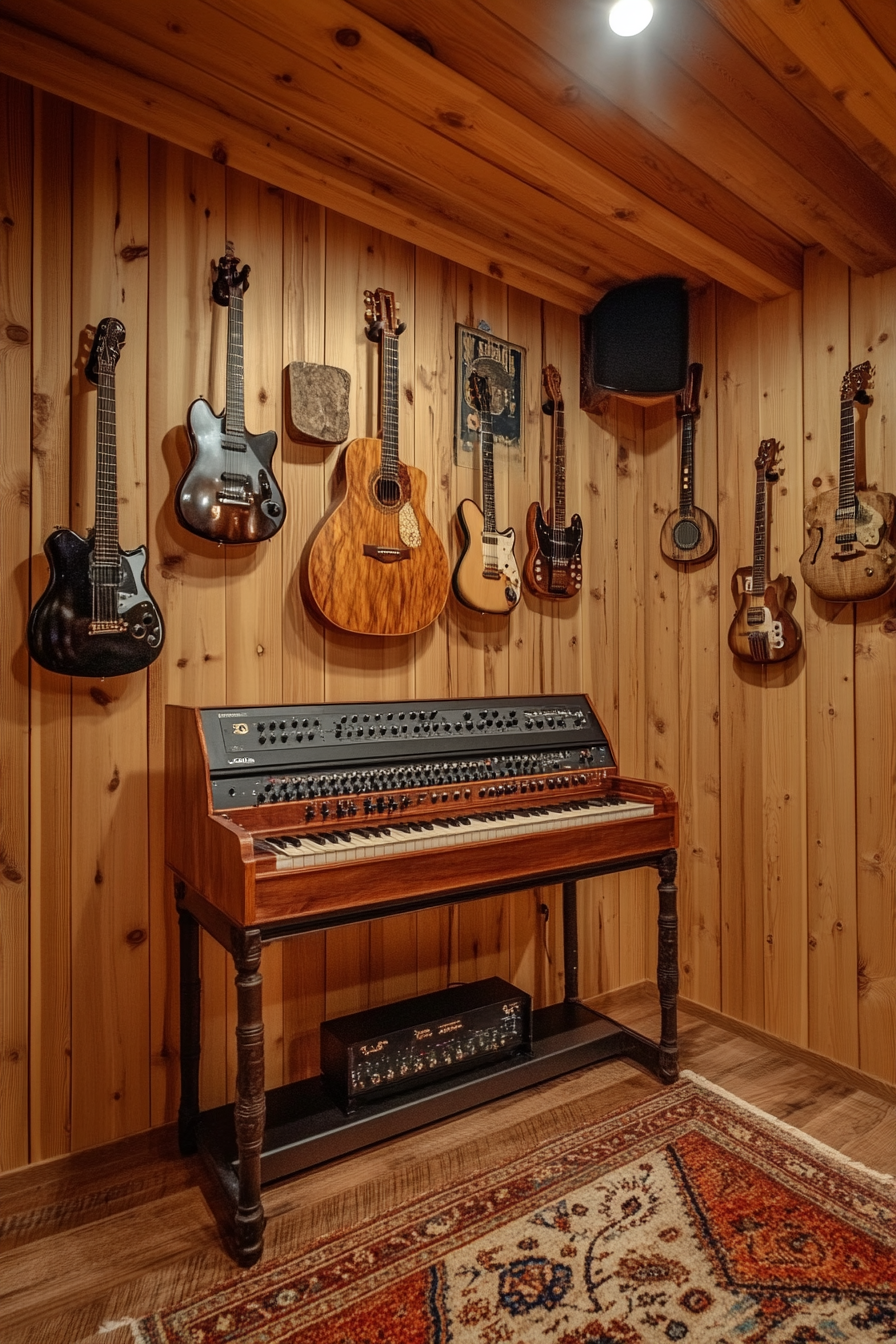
237,490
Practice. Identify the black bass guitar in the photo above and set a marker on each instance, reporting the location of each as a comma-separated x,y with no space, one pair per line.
553,565
228,493
97,617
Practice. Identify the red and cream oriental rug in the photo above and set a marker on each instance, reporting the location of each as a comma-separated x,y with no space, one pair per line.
688,1217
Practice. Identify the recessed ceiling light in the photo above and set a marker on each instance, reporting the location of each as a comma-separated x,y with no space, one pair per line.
628,17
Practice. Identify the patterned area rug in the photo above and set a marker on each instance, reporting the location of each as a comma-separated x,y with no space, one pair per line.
688,1217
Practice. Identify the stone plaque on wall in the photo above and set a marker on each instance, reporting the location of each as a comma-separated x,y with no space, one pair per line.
318,403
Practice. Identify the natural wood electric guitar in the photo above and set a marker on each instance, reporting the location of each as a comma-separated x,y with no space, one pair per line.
688,533
97,617
486,577
228,492
374,565
763,630
850,556
553,564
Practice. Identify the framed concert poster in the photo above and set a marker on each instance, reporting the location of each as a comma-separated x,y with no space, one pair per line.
503,365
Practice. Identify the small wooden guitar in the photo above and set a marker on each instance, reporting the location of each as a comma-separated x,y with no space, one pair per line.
228,493
553,564
96,617
486,577
763,630
688,533
850,556
374,565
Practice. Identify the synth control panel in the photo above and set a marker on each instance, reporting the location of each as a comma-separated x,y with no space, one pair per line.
284,753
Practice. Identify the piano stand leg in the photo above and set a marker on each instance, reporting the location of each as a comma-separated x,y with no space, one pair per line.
667,967
570,944
249,1109
190,1000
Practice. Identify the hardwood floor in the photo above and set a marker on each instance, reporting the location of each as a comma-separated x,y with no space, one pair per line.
122,1230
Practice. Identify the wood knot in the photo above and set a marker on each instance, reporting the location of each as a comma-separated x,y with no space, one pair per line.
571,94
623,214
11,873
173,27
182,662
348,37
495,270
18,335
219,152
263,395
98,878
456,119
133,251
136,937
115,781
283,79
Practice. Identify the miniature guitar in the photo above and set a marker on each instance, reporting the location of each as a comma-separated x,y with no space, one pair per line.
228,493
850,556
688,533
486,577
553,565
763,630
96,617
374,565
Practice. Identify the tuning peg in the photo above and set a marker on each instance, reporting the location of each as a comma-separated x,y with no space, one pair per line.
402,326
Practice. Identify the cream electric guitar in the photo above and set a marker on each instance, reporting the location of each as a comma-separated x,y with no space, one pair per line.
486,578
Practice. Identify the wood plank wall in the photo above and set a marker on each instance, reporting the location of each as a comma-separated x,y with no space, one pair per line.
785,777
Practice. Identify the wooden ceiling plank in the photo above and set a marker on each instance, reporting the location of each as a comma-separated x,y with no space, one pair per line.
879,21
642,81
482,49
214,132
830,41
750,31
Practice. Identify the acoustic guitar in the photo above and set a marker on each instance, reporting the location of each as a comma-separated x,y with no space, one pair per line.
96,617
850,556
763,630
553,564
486,577
374,565
229,493
688,534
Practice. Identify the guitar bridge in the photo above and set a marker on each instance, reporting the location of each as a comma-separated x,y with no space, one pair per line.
110,627
237,490
387,555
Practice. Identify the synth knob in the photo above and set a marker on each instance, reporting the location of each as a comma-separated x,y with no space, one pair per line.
325,809
309,812
381,804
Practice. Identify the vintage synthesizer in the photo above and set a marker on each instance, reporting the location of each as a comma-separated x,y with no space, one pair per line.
299,814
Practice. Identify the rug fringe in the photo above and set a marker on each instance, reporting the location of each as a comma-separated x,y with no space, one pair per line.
108,1326
833,1154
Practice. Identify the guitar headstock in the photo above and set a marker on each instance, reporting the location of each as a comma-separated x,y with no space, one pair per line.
106,348
689,399
551,378
480,392
767,461
856,382
229,279
381,310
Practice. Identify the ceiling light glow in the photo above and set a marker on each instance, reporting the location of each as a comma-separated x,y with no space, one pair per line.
628,17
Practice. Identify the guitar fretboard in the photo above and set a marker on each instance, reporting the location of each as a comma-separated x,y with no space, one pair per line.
760,581
686,490
234,410
487,446
105,546
847,504
389,404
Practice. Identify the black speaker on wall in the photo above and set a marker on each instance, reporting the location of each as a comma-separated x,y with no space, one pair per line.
635,342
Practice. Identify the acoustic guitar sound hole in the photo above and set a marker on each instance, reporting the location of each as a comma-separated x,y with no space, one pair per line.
388,492
686,534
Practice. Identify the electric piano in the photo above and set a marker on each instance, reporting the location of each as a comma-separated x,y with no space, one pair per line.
285,819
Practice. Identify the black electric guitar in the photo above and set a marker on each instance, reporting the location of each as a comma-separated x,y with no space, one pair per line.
97,617
486,577
228,492
763,629
688,533
553,565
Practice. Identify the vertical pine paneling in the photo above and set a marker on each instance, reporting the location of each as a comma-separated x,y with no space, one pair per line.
15,551
186,231
830,703
51,722
873,336
110,888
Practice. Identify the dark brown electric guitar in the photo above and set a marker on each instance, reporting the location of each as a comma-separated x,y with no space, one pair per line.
553,565
374,565
850,556
688,533
763,630
228,493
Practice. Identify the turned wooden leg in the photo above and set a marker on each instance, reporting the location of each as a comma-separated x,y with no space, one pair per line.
667,967
190,1009
570,943
249,1108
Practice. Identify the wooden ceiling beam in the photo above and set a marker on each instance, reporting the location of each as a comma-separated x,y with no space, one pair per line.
879,22
828,39
751,32
829,197
480,47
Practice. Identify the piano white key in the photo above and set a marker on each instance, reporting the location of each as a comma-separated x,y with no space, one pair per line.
407,837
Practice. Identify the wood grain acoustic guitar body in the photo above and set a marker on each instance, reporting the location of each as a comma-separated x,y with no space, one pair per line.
850,556
688,534
763,629
553,565
374,565
486,577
